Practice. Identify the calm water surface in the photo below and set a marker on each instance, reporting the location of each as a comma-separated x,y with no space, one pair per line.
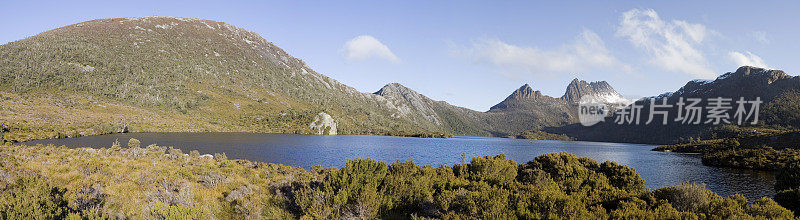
658,169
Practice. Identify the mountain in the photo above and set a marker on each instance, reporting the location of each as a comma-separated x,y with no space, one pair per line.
777,90
170,74
520,98
523,110
175,74
421,109
531,110
600,92
746,81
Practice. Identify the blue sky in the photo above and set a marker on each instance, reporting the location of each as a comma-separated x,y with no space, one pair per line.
475,53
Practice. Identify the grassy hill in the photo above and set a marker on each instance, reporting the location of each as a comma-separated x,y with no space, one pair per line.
173,74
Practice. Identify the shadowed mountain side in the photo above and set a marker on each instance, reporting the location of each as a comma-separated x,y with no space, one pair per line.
777,90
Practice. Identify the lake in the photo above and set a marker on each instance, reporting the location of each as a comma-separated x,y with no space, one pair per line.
658,169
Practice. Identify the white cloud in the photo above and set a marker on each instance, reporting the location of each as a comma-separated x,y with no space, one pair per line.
672,44
587,52
365,46
748,59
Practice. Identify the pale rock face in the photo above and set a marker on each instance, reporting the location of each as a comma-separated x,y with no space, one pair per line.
322,122
598,92
408,102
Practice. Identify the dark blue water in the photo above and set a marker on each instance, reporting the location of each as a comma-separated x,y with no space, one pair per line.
658,169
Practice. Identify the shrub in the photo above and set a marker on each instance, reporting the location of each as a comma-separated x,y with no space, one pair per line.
90,199
623,177
495,170
31,197
687,197
352,192
788,177
787,183
768,208
568,170
134,143
789,198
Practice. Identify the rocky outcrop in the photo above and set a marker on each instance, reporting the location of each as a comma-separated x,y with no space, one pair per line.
324,124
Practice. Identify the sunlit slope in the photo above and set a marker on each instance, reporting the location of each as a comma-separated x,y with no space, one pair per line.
173,74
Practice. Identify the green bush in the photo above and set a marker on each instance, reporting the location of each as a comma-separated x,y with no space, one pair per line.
787,184
623,177
495,170
134,143
687,197
788,177
31,197
789,198
770,209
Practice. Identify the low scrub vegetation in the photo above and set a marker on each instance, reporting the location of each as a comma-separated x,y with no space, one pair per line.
154,182
787,184
761,151
541,135
418,134
774,151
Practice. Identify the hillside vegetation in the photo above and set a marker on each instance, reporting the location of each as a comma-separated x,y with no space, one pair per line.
154,182
174,74
765,150
761,150
541,135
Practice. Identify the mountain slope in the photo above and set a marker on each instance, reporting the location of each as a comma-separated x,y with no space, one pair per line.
531,110
168,74
172,74
777,90
450,118
524,109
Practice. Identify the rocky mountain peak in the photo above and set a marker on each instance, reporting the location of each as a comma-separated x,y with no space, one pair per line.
407,101
746,81
395,89
524,94
579,88
754,73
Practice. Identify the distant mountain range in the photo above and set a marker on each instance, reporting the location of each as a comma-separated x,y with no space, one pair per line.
777,90
524,109
155,74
